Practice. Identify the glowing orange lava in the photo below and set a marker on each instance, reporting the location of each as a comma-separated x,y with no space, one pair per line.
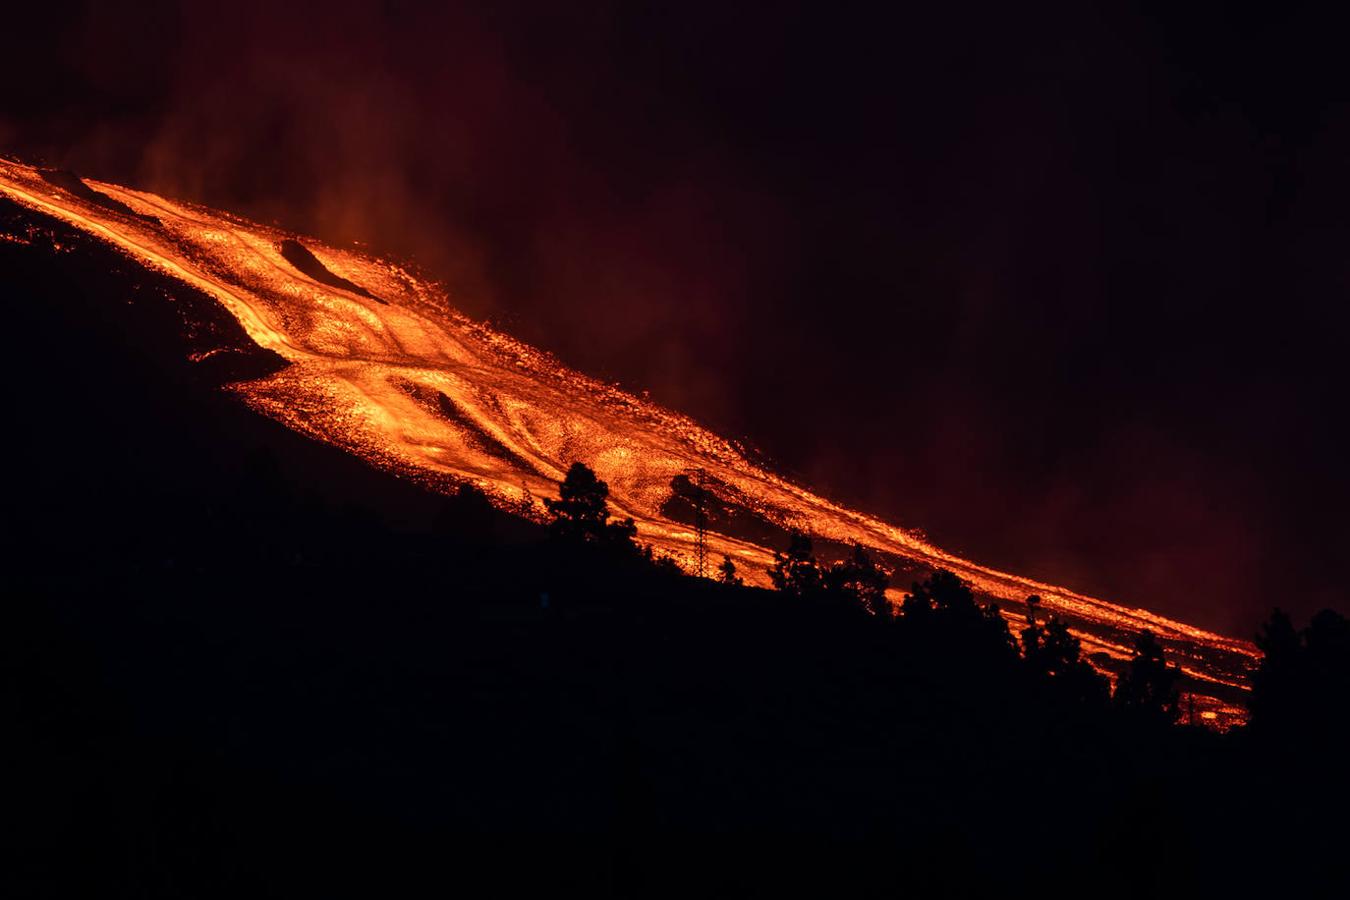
385,368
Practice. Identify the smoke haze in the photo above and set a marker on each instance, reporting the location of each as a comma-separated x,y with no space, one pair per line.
1063,289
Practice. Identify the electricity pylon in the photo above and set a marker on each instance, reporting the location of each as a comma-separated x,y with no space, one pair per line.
701,522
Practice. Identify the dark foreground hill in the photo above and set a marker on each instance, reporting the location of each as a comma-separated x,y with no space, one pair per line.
240,663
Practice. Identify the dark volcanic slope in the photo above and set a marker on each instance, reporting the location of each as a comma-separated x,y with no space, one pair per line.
351,359
221,681
117,386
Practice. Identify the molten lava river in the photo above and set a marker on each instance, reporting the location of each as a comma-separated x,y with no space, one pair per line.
383,366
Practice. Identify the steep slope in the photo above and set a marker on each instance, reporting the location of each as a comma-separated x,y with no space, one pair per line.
375,360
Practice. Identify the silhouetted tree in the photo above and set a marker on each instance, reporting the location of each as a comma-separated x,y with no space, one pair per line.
581,512
796,572
994,635
524,505
1061,650
945,606
1149,686
1277,681
917,605
861,582
622,533
1302,685
1326,643
1053,653
726,572
662,562
946,598
1033,635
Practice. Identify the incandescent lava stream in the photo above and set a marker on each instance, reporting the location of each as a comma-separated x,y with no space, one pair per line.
381,365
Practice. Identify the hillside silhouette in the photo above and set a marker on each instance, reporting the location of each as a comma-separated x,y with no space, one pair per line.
241,662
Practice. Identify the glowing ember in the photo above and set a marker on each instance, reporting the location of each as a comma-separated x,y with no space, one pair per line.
382,366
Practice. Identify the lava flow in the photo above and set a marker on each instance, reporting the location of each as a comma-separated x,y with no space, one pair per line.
382,365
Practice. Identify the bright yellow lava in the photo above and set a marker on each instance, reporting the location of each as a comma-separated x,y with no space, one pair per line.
412,386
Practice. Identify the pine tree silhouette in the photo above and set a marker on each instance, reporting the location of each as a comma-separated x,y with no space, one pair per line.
581,512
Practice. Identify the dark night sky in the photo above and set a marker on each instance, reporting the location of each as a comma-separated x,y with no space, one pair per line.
1065,288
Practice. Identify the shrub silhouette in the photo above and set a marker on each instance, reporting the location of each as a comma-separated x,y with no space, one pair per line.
1148,687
